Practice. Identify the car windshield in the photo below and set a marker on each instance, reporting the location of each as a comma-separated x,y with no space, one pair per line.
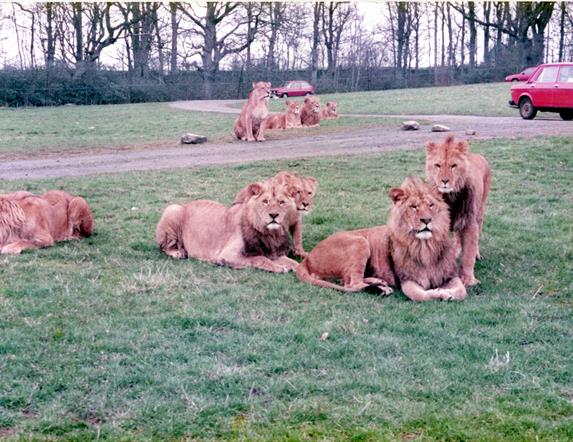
529,71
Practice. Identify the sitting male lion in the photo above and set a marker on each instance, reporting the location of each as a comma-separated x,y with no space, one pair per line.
253,233
249,126
464,179
28,221
286,120
414,250
328,112
310,112
301,190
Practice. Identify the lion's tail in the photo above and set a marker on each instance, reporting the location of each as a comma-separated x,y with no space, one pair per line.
12,218
80,216
303,275
168,233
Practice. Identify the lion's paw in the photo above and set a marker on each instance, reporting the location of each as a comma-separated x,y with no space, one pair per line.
469,280
10,249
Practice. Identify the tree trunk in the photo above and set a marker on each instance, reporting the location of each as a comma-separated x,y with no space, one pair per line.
563,7
486,54
472,48
174,35
50,46
78,31
317,9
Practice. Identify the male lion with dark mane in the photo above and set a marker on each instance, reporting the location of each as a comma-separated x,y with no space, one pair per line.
249,126
302,190
414,250
28,221
310,112
464,179
253,233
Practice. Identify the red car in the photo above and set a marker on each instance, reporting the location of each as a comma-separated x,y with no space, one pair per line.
550,89
295,88
522,76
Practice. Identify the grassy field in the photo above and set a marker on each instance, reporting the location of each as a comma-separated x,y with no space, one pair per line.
109,339
66,129
473,99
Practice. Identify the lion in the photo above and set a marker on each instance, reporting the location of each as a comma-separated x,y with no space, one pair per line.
253,233
310,112
301,190
464,180
286,120
249,126
413,250
328,112
28,221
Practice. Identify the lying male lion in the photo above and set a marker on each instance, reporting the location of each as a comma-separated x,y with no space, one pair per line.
249,126
28,221
414,249
286,120
301,190
253,233
310,112
328,112
463,178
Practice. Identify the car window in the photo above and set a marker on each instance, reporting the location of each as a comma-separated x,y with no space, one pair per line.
529,71
566,74
289,85
304,84
548,75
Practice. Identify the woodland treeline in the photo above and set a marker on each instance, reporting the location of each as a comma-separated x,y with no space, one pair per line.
112,52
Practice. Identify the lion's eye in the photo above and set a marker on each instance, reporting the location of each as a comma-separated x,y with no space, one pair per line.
414,207
437,165
266,202
310,193
453,166
431,205
281,203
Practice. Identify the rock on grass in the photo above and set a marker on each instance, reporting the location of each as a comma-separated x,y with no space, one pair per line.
410,125
189,138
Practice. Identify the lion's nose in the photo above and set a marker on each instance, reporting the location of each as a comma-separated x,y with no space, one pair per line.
445,180
304,204
426,220
273,215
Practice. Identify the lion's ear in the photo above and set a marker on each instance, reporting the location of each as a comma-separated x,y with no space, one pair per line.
431,147
288,102
313,182
292,191
254,85
306,100
463,147
397,194
255,189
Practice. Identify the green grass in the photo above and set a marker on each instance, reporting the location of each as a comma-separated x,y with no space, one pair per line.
79,128
488,99
108,338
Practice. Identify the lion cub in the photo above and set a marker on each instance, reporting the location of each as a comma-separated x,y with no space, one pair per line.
301,190
413,250
463,178
286,120
249,126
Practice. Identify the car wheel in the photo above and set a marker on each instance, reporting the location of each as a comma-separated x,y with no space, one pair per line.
307,93
285,95
514,80
566,115
526,109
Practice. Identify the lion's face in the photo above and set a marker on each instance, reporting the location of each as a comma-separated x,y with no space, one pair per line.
331,108
418,211
261,91
300,189
269,205
292,107
446,164
313,104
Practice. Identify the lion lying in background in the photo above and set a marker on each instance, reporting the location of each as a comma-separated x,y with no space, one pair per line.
28,221
414,250
253,233
286,120
249,126
464,179
301,190
310,112
328,112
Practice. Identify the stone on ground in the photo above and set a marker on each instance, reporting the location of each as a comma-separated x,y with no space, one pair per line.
410,125
189,138
440,128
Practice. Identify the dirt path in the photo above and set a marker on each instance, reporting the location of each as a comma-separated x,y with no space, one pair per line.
352,141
